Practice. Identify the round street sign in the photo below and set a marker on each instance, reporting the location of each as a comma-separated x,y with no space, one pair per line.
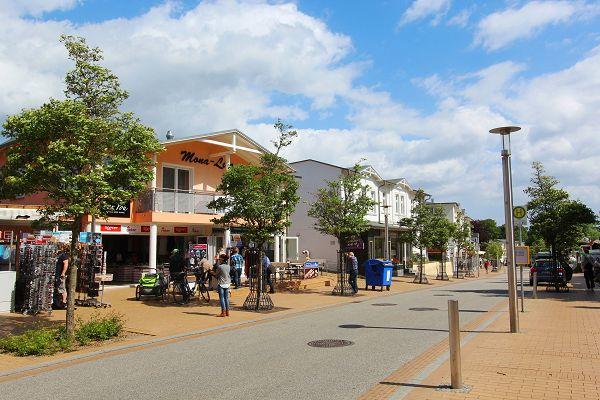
519,212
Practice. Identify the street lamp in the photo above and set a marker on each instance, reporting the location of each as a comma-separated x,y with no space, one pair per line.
505,132
386,235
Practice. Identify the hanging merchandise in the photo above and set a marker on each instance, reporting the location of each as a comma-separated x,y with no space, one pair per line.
37,268
92,274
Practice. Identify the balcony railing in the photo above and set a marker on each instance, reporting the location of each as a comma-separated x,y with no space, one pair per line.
176,201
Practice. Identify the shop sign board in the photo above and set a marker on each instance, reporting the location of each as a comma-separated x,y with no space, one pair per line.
110,228
84,237
166,229
145,229
180,229
355,243
120,210
132,228
199,250
522,255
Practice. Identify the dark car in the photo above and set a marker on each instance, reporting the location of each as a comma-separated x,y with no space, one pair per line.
548,272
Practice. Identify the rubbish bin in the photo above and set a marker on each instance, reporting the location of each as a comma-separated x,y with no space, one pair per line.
378,273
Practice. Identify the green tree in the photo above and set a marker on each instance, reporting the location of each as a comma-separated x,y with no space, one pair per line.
559,221
339,210
494,251
259,198
442,232
418,229
83,152
487,229
462,236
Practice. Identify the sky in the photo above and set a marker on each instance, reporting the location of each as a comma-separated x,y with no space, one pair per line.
412,87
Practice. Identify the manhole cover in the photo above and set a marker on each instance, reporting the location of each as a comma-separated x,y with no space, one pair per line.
384,304
330,343
423,309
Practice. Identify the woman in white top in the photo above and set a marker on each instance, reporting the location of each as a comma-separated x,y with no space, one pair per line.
222,272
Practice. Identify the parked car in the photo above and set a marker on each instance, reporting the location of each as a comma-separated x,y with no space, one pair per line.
548,273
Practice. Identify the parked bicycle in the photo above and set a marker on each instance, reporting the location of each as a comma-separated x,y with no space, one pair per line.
183,290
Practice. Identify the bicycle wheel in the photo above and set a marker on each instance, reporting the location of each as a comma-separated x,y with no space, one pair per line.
204,293
178,295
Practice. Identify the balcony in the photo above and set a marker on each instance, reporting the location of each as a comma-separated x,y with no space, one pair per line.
176,201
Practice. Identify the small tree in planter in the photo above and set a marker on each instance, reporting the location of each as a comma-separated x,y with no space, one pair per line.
260,199
419,230
462,238
442,231
339,210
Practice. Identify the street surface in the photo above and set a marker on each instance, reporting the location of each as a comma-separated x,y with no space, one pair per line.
272,360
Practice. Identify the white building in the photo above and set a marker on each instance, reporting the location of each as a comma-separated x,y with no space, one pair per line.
396,194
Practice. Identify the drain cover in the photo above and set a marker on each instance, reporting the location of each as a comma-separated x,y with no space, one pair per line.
423,309
330,343
384,304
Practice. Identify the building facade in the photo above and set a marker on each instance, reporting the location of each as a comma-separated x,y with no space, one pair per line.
171,213
392,196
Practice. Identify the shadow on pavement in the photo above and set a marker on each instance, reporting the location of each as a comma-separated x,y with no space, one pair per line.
416,385
14,324
357,326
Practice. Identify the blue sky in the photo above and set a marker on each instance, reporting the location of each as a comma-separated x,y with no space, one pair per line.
413,86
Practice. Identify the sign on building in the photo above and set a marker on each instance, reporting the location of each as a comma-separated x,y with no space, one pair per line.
522,255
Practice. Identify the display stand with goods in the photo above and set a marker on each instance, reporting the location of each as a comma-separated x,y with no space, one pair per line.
92,275
37,269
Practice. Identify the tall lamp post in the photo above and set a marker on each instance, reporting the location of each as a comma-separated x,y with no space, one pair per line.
386,234
505,132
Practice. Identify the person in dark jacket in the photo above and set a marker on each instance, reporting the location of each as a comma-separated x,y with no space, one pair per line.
588,274
352,271
176,270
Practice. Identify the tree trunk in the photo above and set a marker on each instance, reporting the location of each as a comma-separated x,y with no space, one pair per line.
73,260
420,265
260,281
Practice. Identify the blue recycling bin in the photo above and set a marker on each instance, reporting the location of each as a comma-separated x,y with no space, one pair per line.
378,273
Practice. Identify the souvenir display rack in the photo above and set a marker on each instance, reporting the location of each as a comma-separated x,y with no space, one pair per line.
91,275
38,268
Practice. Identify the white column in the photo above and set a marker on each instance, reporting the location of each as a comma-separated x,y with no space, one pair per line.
153,246
153,171
227,238
284,254
276,248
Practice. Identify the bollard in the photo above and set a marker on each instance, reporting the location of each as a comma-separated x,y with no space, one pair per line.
454,337
522,291
535,284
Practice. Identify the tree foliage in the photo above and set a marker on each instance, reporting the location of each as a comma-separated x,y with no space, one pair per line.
486,228
259,198
494,251
462,233
83,152
559,221
340,207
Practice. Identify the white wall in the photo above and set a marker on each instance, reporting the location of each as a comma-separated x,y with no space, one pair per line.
313,176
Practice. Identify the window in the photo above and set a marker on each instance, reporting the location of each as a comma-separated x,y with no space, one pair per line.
176,179
397,203
402,205
373,209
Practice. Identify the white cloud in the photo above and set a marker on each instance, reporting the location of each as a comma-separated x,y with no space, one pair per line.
420,9
36,7
501,28
461,19
225,64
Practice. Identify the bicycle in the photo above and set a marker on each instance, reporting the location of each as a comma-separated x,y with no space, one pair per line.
182,292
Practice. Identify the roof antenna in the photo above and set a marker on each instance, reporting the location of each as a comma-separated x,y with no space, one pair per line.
170,135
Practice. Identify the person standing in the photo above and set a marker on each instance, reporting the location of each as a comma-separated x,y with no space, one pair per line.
588,274
237,263
267,272
222,272
352,271
60,276
177,273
